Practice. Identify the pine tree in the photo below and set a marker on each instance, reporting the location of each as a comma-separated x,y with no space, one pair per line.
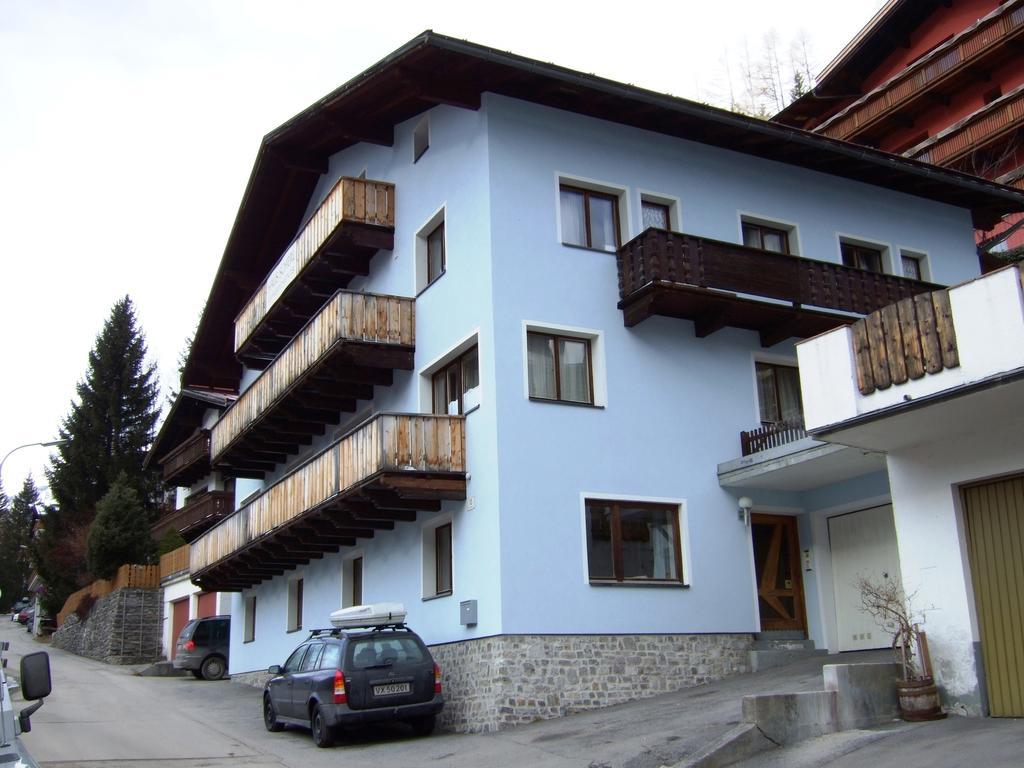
17,517
109,427
120,533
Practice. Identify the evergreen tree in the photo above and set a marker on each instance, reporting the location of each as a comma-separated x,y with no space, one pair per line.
109,427
17,517
120,533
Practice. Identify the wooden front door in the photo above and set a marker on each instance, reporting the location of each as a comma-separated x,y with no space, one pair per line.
780,593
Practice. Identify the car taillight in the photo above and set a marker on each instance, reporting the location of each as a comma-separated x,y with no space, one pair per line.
437,679
190,646
340,697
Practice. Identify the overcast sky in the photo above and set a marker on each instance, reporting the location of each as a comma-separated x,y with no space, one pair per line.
128,130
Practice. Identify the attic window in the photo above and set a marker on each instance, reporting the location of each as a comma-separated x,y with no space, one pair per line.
420,139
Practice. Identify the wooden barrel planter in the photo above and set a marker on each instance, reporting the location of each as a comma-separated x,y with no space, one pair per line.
919,700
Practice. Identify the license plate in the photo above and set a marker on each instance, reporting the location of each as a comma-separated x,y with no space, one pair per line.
391,689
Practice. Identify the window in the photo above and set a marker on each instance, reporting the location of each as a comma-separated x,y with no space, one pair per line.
559,368
912,265
312,657
451,384
294,604
420,139
778,394
331,657
589,219
249,619
352,582
294,663
861,257
765,237
654,215
631,541
437,557
435,253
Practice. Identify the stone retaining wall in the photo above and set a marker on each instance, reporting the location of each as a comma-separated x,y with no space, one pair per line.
503,681
123,627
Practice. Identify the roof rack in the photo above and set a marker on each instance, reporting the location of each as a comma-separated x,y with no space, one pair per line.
394,626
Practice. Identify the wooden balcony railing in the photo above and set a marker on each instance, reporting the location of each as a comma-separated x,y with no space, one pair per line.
995,121
174,561
200,512
188,461
988,34
380,472
308,379
718,284
771,436
357,218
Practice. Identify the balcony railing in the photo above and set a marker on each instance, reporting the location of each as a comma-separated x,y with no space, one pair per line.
189,461
355,220
382,471
174,562
200,512
986,126
354,342
717,285
771,436
990,33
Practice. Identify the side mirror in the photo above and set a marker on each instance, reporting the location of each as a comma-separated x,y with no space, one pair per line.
35,676
274,669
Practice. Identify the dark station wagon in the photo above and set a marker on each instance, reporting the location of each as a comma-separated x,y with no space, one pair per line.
345,677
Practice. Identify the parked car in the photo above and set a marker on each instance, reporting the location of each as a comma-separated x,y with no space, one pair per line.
18,607
26,615
361,670
202,647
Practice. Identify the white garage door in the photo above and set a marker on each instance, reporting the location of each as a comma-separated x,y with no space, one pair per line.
863,544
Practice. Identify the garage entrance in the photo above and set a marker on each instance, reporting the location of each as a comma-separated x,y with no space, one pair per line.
994,519
179,618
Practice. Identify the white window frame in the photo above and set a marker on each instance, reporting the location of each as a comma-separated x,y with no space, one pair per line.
420,248
598,373
675,221
346,576
866,242
791,228
428,580
293,622
684,535
619,192
426,373
922,260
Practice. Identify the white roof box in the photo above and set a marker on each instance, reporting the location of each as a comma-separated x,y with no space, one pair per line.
372,615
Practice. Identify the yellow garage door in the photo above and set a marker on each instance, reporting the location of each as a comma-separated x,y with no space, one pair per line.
995,536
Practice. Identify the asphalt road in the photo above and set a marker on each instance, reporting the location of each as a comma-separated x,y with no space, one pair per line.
101,715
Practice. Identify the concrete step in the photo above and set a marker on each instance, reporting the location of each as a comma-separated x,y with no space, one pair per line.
781,645
780,634
768,655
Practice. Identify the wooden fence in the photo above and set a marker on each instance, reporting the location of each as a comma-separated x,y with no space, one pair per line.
385,443
137,576
174,561
904,341
351,200
347,316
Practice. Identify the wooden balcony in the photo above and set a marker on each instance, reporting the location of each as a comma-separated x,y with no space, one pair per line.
974,49
996,121
355,220
200,513
771,436
189,461
378,474
174,562
719,285
356,341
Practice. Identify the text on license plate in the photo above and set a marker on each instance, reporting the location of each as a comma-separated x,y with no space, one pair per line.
390,689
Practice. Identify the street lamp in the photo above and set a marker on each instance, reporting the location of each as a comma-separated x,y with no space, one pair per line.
45,444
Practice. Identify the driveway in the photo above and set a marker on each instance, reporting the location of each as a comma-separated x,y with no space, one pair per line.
99,714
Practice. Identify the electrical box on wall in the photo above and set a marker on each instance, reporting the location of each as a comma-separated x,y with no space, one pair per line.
467,613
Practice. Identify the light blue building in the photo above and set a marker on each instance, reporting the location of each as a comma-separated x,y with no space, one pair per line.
477,373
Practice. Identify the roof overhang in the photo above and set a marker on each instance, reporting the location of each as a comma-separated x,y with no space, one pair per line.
433,69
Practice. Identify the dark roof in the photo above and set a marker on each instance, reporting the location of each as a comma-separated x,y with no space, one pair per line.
433,69
184,418
888,29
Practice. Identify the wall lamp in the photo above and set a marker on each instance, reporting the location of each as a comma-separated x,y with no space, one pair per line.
746,504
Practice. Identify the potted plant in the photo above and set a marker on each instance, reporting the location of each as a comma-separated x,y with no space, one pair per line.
893,611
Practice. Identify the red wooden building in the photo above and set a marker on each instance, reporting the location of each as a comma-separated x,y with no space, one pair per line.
940,81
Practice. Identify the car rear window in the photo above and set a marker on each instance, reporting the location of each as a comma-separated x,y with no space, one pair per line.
378,651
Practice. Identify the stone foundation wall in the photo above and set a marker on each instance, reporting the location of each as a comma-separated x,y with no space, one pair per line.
500,682
123,627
